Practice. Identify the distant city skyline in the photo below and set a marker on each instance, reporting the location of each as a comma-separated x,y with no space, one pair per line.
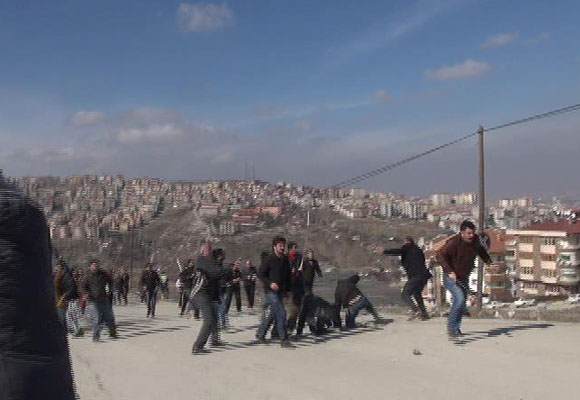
307,92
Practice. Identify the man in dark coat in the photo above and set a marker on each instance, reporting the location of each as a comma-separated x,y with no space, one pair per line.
150,282
349,296
94,288
205,288
250,282
275,274
413,261
34,355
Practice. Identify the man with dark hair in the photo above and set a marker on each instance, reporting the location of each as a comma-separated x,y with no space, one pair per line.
349,296
34,355
275,274
297,284
67,294
100,309
233,281
309,267
457,258
413,261
251,276
150,282
203,296
186,279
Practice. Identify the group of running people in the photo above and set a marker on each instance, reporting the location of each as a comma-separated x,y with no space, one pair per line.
207,288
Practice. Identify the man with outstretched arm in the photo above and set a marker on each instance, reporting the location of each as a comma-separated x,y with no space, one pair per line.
457,258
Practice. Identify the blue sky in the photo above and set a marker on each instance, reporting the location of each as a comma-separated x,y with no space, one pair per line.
309,91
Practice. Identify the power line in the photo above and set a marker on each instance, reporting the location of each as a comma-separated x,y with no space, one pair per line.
388,167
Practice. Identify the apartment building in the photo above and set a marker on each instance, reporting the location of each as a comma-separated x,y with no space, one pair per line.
547,258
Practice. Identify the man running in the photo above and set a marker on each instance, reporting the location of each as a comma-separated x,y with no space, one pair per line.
205,288
413,261
250,283
457,258
275,274
349,296
186,280
100,308
150,283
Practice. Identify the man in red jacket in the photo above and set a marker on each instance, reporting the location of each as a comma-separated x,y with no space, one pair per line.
456,258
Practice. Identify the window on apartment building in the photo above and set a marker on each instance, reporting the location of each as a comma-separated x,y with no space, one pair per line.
527,270
510,253
549,273
550,241
565,257
548,257
553,289
526,255
530,285
526,239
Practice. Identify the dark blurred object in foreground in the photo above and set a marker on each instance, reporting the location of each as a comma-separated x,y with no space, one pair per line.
34,356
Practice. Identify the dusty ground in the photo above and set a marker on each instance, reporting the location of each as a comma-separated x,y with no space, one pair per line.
495,360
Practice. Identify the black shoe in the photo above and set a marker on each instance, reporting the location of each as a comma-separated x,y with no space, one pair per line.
453,335
218,344
261,340
286,344
424,317
199,351
413,316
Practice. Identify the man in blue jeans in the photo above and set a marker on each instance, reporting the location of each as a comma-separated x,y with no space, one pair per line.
457,258
276,276
100,308
349,296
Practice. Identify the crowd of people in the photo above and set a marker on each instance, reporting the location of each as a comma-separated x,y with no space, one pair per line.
207,287
39,305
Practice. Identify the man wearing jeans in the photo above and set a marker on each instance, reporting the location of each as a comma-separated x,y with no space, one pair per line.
349,296
203,293
100,308
456,258
275,274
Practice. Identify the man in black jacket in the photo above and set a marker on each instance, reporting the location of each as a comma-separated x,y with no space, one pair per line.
203,296
349,296
413,261
250,282
67,296
186,279
100,308
275,274
233,282
308,267
150,282
34,355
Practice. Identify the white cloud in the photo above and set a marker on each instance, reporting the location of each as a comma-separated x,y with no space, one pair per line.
86,118
390,29
155,132
382,96
148,115
467,69
501,39
204,17
539,38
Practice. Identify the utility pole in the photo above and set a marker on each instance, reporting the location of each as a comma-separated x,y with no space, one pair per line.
131,259
481,197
